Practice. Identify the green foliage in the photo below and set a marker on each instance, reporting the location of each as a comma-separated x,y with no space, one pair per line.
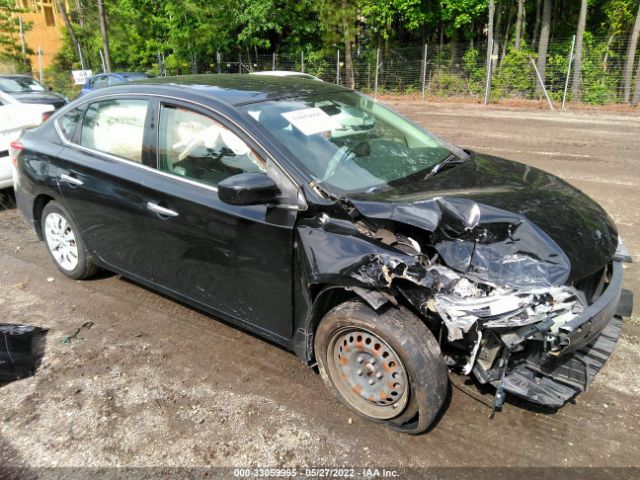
183,36
10,45
515,76
475,70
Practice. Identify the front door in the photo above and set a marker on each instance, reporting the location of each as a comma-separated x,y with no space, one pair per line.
234,260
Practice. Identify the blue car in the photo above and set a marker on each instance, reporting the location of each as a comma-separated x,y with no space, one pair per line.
104,80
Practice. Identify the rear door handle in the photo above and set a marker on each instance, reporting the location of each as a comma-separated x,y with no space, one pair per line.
154,207
72,180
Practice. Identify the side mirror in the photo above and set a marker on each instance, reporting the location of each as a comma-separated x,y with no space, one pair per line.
248,189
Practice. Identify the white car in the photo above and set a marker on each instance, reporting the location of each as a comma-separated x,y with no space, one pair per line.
15,117
286,73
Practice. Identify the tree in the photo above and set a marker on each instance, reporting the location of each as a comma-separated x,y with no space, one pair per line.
536,26
636,93
544,42
10,42
104,29
70,31
339,17
496,37
627,73
519,24
492,9
577,62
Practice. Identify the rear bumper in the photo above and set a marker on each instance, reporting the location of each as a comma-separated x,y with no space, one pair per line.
24,201
590,339
6,177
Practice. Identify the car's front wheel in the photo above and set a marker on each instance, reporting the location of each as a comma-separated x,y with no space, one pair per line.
387,367
64,244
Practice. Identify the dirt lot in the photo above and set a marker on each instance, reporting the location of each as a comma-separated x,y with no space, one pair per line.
150,382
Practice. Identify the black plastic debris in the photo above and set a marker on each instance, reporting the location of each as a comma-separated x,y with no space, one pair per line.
17,350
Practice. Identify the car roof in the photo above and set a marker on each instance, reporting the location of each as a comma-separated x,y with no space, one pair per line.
240,89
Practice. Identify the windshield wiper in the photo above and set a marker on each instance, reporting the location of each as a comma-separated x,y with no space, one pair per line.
439,166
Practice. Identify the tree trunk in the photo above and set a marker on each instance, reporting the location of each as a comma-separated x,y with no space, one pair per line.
536,26
519,24
348,61
627,73
577,63
507,32
102,13
496,38
70,31
605,60
636,93
544,42
492,9
80,11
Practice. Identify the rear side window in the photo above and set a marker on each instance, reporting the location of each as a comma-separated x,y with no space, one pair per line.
115,127
101,82
69,121
113,80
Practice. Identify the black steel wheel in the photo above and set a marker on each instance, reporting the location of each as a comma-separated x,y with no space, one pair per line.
387,367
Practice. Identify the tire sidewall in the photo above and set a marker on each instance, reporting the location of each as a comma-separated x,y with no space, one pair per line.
425,369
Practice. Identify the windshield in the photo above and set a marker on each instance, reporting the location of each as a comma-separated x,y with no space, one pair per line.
22,84
350,142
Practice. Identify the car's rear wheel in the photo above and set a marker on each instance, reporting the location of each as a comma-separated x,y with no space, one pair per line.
64,244
387,367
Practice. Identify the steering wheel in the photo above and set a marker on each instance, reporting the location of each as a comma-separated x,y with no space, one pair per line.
341,155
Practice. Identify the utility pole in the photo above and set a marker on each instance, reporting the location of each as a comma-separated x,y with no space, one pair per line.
23,42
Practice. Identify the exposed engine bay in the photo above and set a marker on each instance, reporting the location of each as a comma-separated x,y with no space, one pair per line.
497,295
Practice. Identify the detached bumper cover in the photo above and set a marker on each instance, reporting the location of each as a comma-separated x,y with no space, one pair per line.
554,380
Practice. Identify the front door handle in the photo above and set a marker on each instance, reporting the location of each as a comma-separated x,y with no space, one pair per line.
72,180
167,212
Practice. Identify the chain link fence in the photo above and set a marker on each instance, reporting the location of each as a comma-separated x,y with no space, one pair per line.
450,70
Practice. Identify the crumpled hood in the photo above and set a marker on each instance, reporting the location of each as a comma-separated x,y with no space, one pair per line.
504,221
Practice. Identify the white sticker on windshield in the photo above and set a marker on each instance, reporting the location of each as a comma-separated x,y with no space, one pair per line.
309,120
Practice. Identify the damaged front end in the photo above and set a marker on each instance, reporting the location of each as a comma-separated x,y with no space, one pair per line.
494,288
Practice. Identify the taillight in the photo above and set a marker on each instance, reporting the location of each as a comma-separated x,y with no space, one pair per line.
46,116
14,150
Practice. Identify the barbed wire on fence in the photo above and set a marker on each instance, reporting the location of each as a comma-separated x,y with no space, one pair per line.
430,70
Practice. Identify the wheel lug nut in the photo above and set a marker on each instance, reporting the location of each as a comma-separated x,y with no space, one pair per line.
371,381
373,361
379,375
360,359
359,372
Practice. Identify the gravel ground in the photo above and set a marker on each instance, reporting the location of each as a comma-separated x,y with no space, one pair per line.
150,382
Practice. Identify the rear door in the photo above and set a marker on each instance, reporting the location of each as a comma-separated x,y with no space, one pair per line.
234,260
99,173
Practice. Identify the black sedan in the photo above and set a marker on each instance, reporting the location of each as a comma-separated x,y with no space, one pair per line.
318,218
26,90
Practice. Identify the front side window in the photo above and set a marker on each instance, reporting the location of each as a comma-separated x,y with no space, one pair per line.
195,146
348,141
115,127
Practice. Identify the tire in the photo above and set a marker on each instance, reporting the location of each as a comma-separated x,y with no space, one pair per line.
386,367
64,243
